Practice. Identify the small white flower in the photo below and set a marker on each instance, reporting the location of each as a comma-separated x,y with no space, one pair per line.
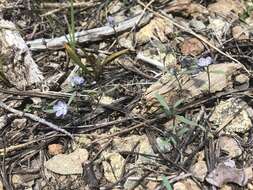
77,81
111,21
204,62
60,108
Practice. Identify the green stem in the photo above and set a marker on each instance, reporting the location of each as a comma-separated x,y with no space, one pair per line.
179,84
209,80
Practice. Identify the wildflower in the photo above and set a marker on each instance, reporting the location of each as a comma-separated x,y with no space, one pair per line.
173,71
60,108
204,62
111,21
77,81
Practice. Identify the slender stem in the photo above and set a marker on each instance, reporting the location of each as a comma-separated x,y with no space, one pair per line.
116,35
174,124
179,84
209,80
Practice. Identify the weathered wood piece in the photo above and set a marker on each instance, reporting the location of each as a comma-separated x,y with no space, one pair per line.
91,35
226,76
18,65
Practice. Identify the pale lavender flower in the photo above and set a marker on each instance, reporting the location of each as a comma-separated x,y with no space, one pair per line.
204,62
60,109
77,81
111,21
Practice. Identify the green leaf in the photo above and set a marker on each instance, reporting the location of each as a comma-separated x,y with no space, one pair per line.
186,121
71,26
49,111
182,131
173,141
163,143
71,98
72,54
179,102
189,122
163,103
166,183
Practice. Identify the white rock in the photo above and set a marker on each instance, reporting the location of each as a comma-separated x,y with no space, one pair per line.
67,164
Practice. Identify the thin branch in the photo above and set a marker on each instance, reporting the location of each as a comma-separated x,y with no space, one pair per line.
90,35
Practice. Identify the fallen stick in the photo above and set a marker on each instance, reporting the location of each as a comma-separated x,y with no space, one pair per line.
35,118
91,35
151,61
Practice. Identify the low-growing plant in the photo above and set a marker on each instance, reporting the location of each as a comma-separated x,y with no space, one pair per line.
96,63
171,111
166,183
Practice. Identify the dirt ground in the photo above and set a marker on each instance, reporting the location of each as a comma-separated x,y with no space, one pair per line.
126,94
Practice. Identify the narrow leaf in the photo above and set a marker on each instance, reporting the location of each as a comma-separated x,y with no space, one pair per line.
72,54
189,122
71,98
166,183
163,103
113,56
179,102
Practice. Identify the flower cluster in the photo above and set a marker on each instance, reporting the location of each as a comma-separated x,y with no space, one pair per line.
204,62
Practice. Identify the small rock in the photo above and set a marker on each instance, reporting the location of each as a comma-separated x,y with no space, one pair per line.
197,24
113,166
3,121
54,149
129,184
223,174
115,7
226,7
107,100
82,140
218,26
187,184
163,145
242,78
1,185
230,145
19,123
127,143
240,33
192,46
151,185
67,164
226,187
241,121
17,181
126,42
158,27
250,186
135,10
199,170
197,10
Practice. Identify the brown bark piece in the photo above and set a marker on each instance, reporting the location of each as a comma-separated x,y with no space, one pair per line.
18,65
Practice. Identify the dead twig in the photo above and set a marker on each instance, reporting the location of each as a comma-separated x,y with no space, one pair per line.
48,94
91,35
